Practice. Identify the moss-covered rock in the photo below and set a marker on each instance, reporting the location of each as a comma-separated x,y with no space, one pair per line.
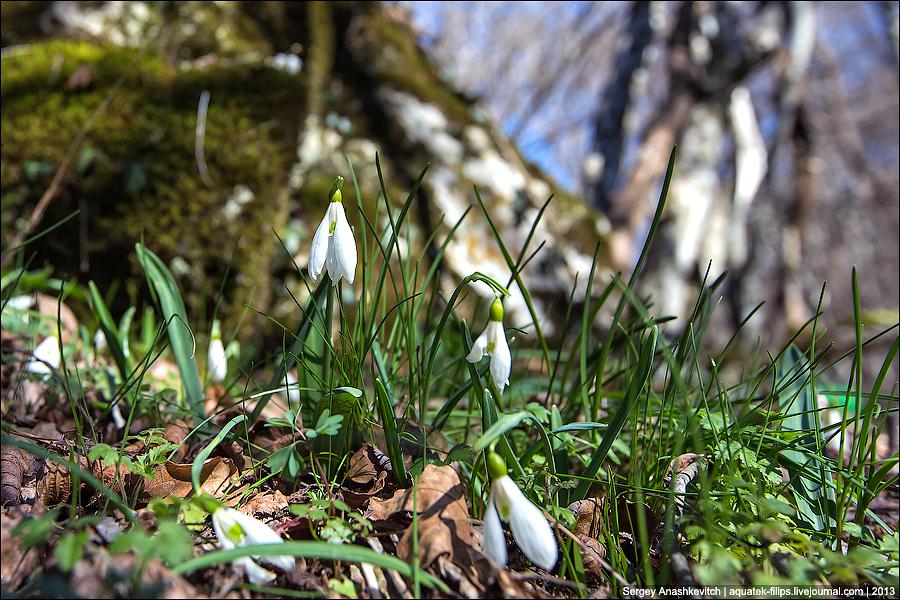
136,175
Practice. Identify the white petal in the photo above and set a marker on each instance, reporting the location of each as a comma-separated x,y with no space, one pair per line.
501,361
45,356
259,533
20,302
319,249
344,244
117,416
282,561
530,529
334,269
494,540
477,351
293,390
256,531
222,523
216,361
100,344
255,573
503,489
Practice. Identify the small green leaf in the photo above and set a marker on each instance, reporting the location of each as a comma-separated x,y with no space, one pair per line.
503,424
34,530
173,542
277,460
70,549
105,453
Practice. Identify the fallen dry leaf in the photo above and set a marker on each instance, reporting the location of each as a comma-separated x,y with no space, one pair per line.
588,513
362,468
15,466
105,576
367,475
588,520
174,479
266,505
16,563
444,524
47,306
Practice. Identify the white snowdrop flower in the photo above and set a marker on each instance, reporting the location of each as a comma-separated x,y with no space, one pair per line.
235,529
333,244
45,357
117,417
529,527
293,387
100,344
20,303
493,343
216,362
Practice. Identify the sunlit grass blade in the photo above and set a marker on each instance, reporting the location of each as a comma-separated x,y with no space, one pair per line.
635,388
391,437
181,339
314,305
112,333
204,454
632,281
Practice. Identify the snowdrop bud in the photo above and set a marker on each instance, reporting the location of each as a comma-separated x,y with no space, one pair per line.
100,344
333,244
293,389
216,362
530,529
117,417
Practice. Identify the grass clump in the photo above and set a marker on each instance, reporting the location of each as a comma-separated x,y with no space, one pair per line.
636,435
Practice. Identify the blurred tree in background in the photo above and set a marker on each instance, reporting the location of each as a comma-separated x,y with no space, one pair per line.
785,113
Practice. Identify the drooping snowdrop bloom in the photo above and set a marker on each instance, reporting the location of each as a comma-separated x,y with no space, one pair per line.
529,527
292,386
100,344
117,417
235,529
493,343
45,357
333,244
20,302
216,362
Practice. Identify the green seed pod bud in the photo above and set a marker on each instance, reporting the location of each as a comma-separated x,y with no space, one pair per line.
207,503
497,310
496,465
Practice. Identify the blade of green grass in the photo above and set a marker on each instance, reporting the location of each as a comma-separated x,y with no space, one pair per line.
635,388
108,325
181,339
318,550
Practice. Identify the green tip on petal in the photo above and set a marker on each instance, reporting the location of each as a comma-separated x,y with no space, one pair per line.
216,333
496,465
497,310
335,193
236,533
